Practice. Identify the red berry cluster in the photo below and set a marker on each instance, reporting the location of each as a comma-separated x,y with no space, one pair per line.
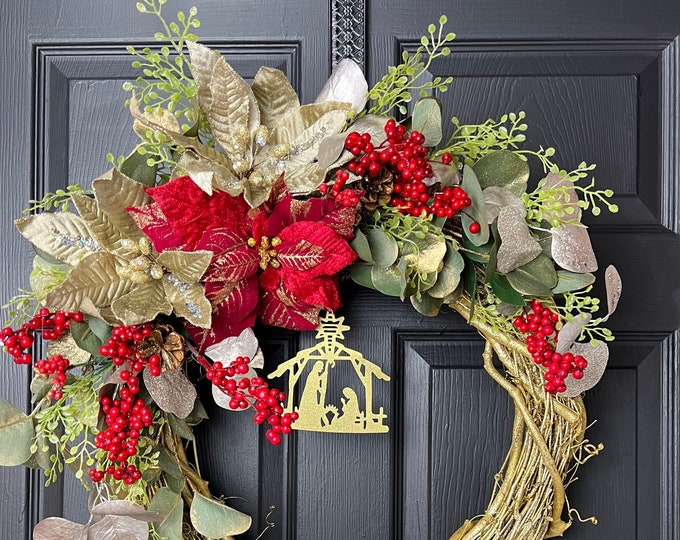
405,158
121,347
57,366
346,197
539,325
255,391
125,416
52,325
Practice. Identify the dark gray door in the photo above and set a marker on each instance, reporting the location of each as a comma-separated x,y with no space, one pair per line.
599,80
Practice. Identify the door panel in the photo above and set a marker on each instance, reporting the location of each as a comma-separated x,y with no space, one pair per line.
598,80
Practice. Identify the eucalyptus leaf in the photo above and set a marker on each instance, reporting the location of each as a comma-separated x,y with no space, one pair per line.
384,248
503,168
427,305
118,528
497,198
476,212
85,338
99,328
572,250
612,281
124,508
536,278
518,246
170,507
504,291
571,281
570,332
40,386
429,251
216,520
450,275
388,280
361,274
445,174
16,435
427,119
167,463
180,427
360,244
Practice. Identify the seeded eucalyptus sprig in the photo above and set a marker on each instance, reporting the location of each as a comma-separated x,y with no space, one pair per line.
166,81
395,89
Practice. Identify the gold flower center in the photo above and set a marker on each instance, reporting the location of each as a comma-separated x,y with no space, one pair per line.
266,251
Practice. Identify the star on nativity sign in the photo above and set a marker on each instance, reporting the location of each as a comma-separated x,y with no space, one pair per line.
315,411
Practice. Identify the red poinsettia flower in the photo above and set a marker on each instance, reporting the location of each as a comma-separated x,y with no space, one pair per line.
277,263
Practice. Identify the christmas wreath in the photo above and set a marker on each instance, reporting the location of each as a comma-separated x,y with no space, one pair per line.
241,205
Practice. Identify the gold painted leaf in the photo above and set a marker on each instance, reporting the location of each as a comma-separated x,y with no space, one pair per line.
102,229
66,347
307,143
188,300
274,94
304,178
145,121
115,192
226,99
255,193
188,266
142,304
62,235
207,175
95,279
296,121
430,252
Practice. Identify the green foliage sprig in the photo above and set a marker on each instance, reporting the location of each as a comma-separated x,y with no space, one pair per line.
471,142
59,199
166,81
395,89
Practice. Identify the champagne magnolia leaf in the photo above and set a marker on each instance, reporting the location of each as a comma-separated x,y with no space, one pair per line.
612,281
216,520
384,248
188,266
427,119
16,435
124,508
61,235
361,274
67,347
571,281
226,99
188,300
115,192
449,276
389,280
305,147
536,278
274,94
360,244
503,168
427,305
518,247
330,149
172,391
572,250
475,212
142,304
94,279
170,506
597,356
118,528
497,198
136,167
209,175
55,528
445,174
346,84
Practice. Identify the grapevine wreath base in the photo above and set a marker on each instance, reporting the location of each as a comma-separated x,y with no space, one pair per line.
240,205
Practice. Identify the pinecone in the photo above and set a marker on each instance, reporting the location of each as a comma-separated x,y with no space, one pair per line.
376,190
166,343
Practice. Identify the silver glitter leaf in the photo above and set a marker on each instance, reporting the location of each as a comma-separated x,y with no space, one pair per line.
572,250
613,284
124,508
346,84
571,331
172,391
496,198
518,247
597,357
118,528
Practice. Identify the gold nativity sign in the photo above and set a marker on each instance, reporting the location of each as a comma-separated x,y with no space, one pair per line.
315,413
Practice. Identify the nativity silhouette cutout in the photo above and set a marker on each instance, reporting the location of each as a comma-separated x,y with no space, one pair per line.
315,413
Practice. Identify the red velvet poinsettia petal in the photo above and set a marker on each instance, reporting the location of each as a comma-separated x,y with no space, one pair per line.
321,292
326,211
234,259
152,221
313,249
270,279
281,308
191,211
234,309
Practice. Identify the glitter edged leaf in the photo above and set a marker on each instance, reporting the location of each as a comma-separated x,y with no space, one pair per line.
360,244
213,519
505,169
449,276
172,391
384,248
389,280
429,252
188,300
62,235
170,506
426,305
